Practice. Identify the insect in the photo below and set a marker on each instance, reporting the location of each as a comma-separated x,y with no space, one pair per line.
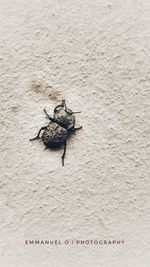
62,124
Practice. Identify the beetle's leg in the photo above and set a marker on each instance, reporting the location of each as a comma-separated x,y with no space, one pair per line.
48,115
63,155
38,135
70,111
76,112
63,104
55,109
78,128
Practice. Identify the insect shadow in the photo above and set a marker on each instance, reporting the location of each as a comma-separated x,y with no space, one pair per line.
59,129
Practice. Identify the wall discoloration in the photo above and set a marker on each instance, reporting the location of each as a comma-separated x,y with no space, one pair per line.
46,90
15,109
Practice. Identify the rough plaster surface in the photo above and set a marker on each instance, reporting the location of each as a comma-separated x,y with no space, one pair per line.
96,55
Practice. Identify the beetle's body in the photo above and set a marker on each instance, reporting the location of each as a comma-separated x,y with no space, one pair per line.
54,135
56,132
64,118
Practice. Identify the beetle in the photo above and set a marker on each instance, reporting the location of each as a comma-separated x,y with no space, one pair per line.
61,125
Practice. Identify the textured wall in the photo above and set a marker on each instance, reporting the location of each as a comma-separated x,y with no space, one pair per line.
96,55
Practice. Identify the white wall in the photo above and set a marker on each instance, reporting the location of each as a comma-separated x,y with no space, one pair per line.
96,55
